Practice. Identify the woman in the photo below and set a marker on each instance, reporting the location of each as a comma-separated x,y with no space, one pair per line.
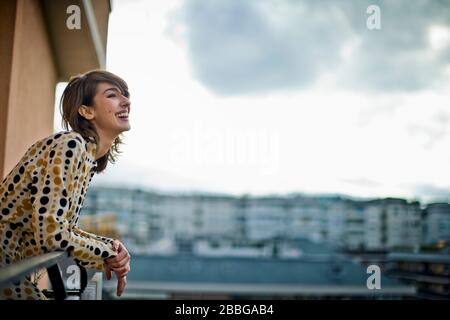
40,199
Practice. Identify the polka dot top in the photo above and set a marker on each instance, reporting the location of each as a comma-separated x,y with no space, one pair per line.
41,199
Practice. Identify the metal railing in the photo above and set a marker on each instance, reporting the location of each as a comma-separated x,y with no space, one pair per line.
17,271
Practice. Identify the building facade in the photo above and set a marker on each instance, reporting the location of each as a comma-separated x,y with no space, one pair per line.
437,227
144,217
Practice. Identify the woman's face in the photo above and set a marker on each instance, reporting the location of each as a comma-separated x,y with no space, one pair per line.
111,110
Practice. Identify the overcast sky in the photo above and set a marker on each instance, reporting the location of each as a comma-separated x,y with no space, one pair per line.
276,96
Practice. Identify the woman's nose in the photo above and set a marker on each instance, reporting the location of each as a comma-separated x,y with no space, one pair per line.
125,101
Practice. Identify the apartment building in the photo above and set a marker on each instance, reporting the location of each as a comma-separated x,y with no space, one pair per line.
437,227
377,225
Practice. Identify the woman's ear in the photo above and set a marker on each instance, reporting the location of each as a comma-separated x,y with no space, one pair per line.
86,112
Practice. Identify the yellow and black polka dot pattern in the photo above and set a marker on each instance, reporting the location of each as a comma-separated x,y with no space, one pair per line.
40,203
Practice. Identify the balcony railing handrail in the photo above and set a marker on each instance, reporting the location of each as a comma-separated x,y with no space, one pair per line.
17,271
52,261
420,257
22,268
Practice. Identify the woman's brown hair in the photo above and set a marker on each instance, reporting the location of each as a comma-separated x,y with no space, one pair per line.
81,90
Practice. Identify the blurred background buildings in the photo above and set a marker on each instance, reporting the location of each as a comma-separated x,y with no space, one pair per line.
145,217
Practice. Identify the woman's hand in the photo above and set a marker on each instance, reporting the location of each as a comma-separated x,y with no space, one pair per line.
120,265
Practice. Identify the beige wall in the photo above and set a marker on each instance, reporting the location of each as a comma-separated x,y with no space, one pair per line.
26,113
36,50
7,20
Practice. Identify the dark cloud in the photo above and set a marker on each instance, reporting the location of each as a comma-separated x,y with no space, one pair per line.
399,56
253,46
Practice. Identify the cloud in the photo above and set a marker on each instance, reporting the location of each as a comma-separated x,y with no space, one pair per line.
399,57
362,182
430,193
246,47
430,131
135,175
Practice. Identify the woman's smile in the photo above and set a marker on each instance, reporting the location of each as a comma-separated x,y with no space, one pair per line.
122,115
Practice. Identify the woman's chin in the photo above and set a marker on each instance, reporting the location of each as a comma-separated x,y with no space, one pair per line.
123,126
117,131
126,128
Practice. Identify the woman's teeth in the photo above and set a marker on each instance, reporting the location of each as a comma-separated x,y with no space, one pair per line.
123,115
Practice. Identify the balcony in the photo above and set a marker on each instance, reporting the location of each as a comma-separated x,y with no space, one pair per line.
89,283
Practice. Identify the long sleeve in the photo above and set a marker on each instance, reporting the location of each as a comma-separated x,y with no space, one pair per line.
56,188
92,236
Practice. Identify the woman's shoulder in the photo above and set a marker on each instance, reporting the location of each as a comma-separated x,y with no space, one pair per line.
71,139
67,136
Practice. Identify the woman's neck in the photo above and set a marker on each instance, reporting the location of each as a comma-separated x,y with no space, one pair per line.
103,145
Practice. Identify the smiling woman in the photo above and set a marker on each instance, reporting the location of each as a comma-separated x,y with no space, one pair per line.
42,196
91,104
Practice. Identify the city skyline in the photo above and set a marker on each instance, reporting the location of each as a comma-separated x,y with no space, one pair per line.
350,223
